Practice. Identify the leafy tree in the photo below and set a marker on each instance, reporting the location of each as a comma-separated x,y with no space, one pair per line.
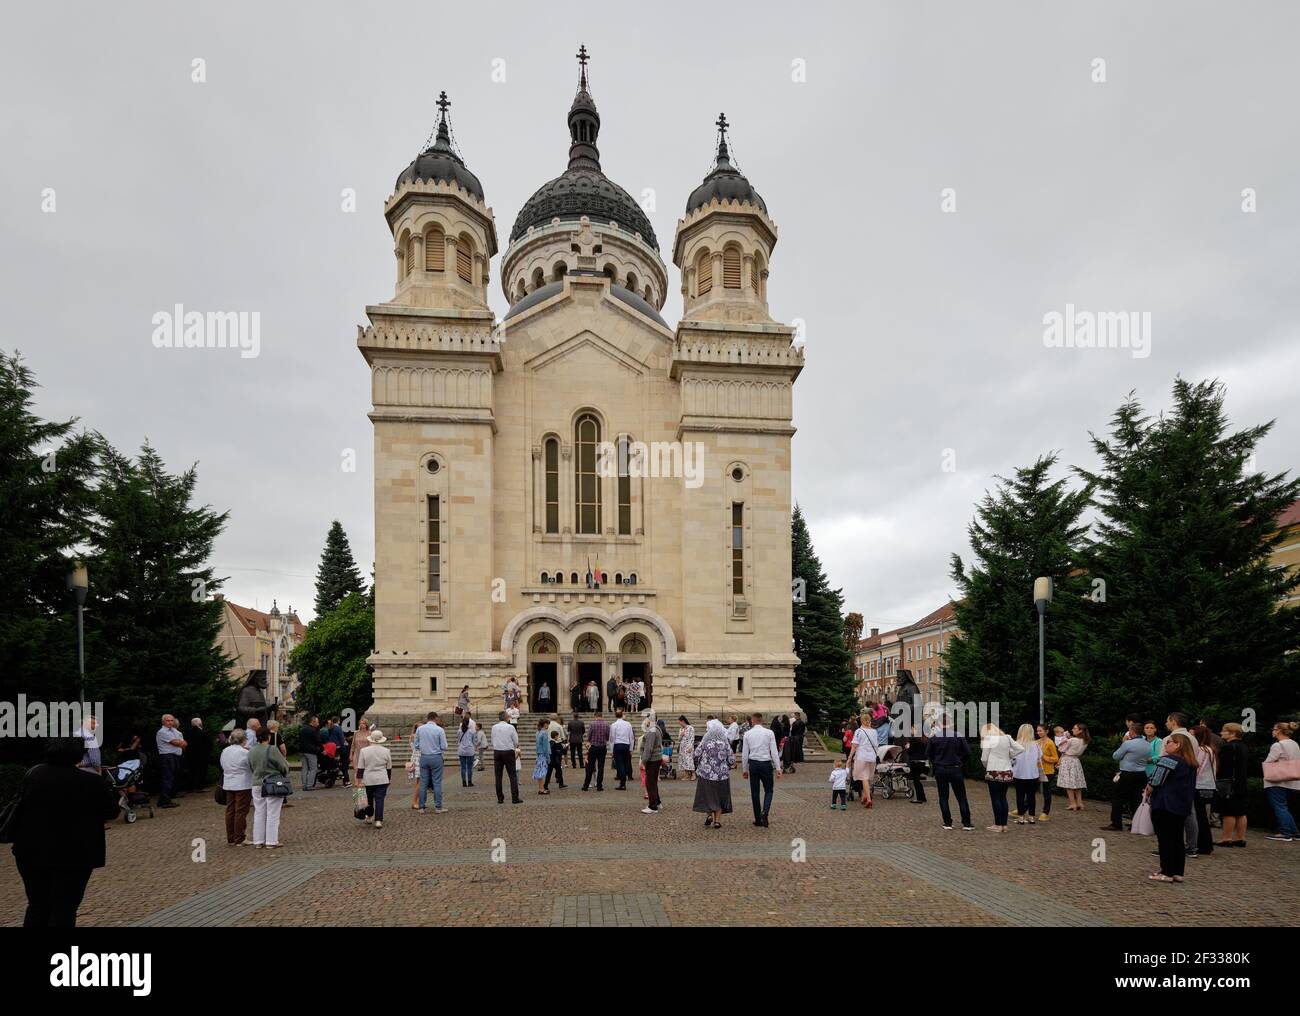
45,472
824,677
331,659
1190,620
1029,527
853,630
337,574
151,635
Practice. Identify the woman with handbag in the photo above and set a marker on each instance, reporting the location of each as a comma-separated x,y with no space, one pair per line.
1170,794
998,752
1071,778
1282,779
1207,768
271,785
375,772
1234,765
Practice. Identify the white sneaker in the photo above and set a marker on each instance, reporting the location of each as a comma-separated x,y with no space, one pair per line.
649,811
379,825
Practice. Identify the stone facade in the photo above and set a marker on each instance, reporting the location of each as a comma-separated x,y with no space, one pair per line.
580,434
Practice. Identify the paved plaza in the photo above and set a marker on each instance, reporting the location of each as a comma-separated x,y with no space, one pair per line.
575,859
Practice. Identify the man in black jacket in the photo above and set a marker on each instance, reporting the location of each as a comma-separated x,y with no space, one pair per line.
198,752
59,834
946,752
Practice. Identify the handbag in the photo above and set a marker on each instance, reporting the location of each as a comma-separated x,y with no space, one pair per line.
1281,772
219,795
1142,820
276,786
1223,788
360,806
999,776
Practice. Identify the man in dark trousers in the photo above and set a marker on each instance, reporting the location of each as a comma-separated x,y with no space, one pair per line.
576,731
946,752
914,755
59,834
198,752
611,692
597,745
505,755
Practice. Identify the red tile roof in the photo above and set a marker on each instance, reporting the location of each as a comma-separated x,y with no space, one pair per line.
259,620
1290,516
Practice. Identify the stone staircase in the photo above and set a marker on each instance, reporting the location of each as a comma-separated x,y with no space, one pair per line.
398,732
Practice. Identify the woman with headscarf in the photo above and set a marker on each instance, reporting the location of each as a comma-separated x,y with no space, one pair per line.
713,764
686,748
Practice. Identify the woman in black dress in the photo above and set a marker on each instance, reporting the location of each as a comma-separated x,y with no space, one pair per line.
1234,760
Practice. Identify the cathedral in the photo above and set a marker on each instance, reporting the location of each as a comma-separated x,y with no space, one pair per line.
580,491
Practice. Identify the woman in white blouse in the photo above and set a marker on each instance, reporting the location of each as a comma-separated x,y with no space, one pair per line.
375,772
998,752
237,782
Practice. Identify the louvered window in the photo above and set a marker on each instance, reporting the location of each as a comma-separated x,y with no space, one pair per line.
731,268
435,251
704,274
754,274
408,259
435,546
463,262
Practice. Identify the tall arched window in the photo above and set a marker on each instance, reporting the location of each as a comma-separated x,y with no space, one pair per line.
624,487
703,273
552,464
631,282
755,274
561,270
465,258
435,250
407,246
539,279
587,506
731,267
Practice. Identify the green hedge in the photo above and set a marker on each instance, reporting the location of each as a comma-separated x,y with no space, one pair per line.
291,737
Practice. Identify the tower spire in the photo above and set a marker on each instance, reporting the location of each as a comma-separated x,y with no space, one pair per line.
584,121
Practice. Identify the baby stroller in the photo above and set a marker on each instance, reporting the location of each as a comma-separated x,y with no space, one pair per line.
331,770
667,771
127,778
892,776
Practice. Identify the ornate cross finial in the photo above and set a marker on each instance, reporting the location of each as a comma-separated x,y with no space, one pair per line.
723,156
443,103
722,123
582,63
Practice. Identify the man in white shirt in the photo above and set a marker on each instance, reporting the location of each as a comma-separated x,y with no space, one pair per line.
505,750
621,739
170,748
759,755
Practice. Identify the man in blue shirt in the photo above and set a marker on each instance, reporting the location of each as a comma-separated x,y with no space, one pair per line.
1133,754
170,747
430,743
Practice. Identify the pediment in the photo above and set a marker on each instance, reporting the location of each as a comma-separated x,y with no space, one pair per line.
586,349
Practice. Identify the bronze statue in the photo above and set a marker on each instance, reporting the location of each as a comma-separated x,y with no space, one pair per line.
252,702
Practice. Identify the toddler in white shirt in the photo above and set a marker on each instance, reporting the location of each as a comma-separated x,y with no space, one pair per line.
839,780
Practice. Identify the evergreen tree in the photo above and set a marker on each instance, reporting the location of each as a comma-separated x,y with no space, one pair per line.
824,677
1190,619
151,637
45,471
1030,527
337,574
331,659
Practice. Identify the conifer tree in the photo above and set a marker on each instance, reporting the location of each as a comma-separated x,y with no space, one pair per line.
824,677
336,575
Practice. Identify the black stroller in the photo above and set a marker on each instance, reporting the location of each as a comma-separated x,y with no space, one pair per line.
330,770
127,778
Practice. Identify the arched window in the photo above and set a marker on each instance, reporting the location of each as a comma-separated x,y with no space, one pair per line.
465,258
573,578
756,274
646,295
611,273
731,268
624,487
559,578
586,444
552,466
703,273
521,292
539,279
631,579
407,246
545,578
561,270
631,282
435,250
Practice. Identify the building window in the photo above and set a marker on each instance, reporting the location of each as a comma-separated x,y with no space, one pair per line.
435,546
624,489
704,274
552,465
731,268
464,258
435,250
740,684
587,508
407,247
737,548
433,685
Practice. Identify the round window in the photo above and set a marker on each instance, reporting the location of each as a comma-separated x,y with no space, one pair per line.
737,474
432,465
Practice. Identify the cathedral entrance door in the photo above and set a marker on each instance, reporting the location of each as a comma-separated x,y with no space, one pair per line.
544,676
588,672
636,665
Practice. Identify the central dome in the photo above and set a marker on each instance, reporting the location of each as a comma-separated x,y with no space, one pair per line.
583,189
579,192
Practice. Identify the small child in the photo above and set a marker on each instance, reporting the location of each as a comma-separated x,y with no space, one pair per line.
1060,736
839,779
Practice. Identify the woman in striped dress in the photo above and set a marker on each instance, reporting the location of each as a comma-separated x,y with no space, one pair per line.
686,748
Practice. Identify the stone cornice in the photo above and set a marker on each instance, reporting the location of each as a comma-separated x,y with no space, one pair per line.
412,190
753,347
412,331
743,211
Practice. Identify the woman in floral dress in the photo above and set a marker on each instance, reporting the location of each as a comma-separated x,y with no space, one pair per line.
686,748
1070,777
713,763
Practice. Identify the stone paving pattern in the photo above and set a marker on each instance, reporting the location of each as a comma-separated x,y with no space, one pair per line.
574,858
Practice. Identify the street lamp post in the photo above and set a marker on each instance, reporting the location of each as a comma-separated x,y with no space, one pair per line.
78,584
1042,597
277,628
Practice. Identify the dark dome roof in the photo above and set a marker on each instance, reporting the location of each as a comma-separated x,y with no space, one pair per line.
440,161
579,192
725,182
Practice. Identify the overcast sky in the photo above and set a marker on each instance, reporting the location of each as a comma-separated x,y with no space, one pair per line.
924,328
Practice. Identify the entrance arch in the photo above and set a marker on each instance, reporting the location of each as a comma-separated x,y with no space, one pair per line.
588,662
543,671
634,665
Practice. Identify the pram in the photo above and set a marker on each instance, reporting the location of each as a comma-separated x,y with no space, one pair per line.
127,778
331,770
667,771
892,776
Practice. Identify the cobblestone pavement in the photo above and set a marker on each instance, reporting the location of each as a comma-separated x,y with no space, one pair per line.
578,859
